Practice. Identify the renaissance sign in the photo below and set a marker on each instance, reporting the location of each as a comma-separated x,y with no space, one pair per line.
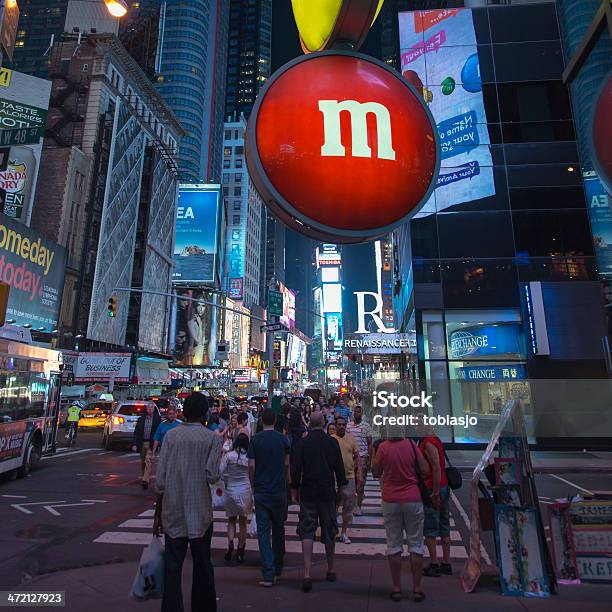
379,344
326,118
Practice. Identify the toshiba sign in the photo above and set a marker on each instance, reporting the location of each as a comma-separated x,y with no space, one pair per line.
342,148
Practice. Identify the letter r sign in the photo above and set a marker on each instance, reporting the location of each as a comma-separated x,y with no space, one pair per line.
342,148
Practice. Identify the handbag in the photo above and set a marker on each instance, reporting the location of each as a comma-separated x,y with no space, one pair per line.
453,475
217,493
425,496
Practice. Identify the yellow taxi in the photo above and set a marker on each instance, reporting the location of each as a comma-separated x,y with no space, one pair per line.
95,413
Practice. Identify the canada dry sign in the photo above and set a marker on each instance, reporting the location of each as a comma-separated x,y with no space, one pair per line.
342,148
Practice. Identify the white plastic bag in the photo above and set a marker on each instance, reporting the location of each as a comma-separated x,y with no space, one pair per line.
217,492
149,580
252,528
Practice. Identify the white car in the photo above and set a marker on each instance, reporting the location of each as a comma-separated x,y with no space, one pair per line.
120,424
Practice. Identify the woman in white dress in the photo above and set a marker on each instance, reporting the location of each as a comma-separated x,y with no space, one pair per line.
238,494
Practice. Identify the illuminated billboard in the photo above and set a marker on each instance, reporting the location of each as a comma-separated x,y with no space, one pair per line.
288,316
195,329
328,255
34,268
330,275
195,247
333,330
439,56
332,297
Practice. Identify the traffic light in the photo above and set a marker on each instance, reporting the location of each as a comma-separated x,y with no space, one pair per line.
112,306
4,296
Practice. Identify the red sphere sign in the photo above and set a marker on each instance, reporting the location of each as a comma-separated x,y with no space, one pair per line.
601,134
342,148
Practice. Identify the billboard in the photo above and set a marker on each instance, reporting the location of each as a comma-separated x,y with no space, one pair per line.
288,316
194,338
34,268
195,247
24,101
601,223
328,255
99,367
333,330
332,297
439,56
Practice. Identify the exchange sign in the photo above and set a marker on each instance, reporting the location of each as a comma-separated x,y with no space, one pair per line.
342,148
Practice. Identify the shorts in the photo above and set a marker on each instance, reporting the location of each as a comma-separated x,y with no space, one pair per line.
348,500
404,519
314,513
437,520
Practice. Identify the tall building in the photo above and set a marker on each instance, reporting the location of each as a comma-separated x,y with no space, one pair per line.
110,173
497,272
249,54
191,63
242,266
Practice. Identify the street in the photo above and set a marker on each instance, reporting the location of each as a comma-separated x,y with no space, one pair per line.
83,512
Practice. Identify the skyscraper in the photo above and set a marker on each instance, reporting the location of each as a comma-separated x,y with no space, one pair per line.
249,54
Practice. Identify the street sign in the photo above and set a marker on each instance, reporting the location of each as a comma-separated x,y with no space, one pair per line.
275,303
274,327
21,136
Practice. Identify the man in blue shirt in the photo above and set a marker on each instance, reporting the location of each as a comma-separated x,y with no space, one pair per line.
342,410
269,474
164,427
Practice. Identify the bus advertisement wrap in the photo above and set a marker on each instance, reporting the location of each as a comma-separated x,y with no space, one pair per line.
34,268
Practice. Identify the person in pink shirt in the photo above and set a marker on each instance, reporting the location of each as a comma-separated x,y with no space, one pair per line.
399,462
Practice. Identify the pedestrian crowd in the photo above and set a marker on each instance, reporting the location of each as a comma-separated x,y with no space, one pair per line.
318,456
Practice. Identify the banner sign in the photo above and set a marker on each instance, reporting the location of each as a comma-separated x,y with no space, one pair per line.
515,371
102,367
34,268
379,344
11,439
486,340
152,372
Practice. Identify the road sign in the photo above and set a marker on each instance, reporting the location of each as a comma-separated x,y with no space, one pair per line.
274,327
21,136
275,303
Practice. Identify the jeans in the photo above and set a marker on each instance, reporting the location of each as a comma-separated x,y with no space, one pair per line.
203,594
271,514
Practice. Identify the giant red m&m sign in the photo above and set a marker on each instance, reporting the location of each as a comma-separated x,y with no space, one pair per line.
342,148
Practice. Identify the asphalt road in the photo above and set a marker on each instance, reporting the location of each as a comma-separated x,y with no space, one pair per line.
60,517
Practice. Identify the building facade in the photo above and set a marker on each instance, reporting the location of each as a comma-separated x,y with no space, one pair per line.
497,272
242,267
249,54
110,152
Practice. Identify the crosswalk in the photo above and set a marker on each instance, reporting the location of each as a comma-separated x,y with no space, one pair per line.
367,532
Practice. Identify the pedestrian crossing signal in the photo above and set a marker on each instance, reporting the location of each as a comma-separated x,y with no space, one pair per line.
112,307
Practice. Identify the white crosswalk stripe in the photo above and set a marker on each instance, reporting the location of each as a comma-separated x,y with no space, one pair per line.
367,532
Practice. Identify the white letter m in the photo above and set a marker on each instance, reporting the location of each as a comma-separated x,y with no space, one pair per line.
358,111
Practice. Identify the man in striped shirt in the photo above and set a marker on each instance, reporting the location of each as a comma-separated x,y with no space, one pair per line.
362,432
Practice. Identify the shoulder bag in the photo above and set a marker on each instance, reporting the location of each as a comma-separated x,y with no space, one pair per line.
453,475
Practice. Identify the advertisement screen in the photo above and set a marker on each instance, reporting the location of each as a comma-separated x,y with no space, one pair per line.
439,57
288,316
34,268
332,298
196,234
601,223
333,327
195,332
330,275
24,101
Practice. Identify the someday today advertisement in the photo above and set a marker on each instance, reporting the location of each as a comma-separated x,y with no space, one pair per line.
439,57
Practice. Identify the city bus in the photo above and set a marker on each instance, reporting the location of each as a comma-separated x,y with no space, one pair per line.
30,385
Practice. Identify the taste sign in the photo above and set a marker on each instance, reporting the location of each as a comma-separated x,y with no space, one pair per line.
342,148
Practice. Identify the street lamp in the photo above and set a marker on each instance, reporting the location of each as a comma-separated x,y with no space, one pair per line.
117,8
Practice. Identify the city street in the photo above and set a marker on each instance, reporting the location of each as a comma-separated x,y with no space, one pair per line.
80,521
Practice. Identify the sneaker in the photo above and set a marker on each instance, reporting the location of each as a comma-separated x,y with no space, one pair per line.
344,539
357,511
433,570
446,569
266,583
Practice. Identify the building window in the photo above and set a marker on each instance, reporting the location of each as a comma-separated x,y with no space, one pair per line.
226,163
238,163
237,191
239,150
237,205
238,178
227,151
236,219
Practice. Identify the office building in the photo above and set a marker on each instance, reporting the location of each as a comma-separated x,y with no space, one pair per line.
497,272
249,54
242,267
111,183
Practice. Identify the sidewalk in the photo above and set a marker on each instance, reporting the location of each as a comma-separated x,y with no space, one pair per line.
545,461
363,586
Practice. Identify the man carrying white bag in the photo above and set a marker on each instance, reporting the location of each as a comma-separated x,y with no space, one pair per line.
149,579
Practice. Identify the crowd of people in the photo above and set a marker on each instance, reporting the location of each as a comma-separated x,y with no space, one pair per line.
318,456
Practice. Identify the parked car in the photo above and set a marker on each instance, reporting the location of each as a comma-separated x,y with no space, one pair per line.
95,413
120,424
